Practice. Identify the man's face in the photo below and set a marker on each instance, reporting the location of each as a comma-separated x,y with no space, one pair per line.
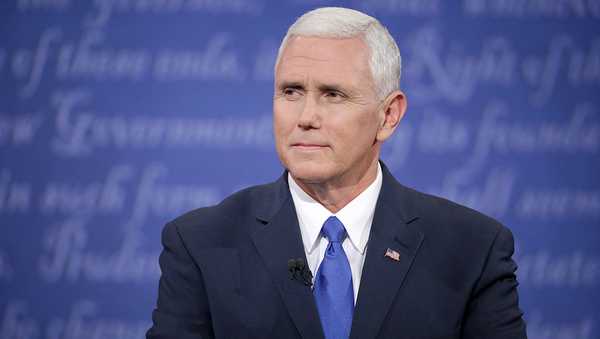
325,111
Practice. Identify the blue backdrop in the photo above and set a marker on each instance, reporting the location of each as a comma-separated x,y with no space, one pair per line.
118,115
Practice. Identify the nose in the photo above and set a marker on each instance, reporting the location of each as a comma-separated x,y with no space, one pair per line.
310,117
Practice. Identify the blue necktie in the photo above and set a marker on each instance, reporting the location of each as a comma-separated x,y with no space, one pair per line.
333,290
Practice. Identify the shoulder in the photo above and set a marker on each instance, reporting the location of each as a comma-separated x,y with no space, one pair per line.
457,241
233,217
439,210
446,223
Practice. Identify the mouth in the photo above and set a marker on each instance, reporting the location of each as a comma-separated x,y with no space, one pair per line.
308,146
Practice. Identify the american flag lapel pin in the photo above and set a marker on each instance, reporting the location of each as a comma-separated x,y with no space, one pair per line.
390,253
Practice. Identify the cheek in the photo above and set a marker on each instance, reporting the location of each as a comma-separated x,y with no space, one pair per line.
282,123
354,129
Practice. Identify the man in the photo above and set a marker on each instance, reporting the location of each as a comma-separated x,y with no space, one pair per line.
336,248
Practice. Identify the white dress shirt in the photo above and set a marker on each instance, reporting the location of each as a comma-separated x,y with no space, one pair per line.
357,217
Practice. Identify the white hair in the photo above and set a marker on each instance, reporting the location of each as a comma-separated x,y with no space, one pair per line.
340,23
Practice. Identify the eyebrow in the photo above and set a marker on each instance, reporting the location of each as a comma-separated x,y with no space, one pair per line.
321,87
332,88
290,84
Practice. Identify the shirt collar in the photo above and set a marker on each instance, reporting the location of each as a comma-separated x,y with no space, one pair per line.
357,215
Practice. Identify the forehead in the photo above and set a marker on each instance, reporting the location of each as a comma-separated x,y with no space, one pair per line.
323,58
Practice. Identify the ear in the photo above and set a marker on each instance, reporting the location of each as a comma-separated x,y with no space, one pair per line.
393,110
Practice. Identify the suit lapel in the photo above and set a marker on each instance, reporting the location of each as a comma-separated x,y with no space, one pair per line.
382,276
278,241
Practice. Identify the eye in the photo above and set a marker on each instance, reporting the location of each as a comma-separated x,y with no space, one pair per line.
335,96
291,93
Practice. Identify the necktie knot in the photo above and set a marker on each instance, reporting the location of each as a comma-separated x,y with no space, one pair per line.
333,229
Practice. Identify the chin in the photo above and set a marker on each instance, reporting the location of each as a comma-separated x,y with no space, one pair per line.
309,172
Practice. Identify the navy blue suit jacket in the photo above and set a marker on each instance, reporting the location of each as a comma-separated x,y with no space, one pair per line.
225,275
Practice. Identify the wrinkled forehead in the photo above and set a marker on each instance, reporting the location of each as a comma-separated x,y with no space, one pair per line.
347,57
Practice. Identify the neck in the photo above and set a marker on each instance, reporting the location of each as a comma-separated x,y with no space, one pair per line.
336,194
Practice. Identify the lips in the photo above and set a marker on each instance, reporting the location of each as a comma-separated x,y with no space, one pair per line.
305,146
308,145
